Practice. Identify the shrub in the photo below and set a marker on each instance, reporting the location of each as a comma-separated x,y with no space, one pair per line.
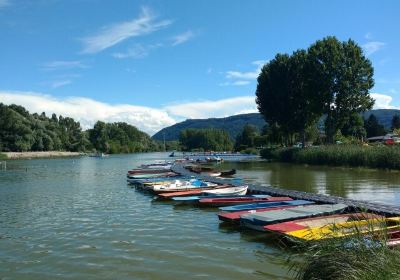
337,155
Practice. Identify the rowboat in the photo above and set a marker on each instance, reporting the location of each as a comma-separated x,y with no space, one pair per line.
148,171
337,226
196,198
263,205
155,175
238,200
179,185
212,174
393,238
234,217
307,223
232,191
258,220
194,192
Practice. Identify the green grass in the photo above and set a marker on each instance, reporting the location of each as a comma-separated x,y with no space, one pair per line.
339,155
3,156
355,257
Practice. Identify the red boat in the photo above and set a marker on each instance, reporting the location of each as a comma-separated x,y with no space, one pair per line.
234,217
239,200
393,238
148,171
319,221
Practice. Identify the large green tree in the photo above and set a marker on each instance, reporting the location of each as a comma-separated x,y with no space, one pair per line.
330,77
343,76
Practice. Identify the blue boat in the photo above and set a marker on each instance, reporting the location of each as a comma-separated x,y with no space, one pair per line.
253,206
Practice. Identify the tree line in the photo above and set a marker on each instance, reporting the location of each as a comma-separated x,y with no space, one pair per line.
330,78
21,131
251,139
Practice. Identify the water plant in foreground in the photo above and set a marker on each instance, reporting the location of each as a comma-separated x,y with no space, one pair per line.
357,257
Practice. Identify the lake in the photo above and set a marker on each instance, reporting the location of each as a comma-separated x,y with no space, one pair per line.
78,219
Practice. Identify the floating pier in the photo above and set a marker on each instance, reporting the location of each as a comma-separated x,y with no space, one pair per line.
387,210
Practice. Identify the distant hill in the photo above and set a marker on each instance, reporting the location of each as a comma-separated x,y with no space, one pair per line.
235,124
384,116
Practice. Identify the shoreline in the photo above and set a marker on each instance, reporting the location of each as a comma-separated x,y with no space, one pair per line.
34,155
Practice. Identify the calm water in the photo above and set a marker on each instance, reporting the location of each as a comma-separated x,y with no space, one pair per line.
77,219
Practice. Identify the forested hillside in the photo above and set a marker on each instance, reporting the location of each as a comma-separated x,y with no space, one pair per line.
235,124
21,131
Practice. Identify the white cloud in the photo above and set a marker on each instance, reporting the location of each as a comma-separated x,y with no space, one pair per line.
138,51
243,78
109,36
213,108
372,47
368,36
4,3
63,65
383,101
235,83
57,84
182,38
87,111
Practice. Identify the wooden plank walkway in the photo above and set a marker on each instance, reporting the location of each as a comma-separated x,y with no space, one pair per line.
387,210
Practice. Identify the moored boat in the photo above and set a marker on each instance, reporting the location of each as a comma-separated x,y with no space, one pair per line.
179,185
239,200
262,205
393,238
196,198
232,191
234,217
148,171
258,220
155,175
336,226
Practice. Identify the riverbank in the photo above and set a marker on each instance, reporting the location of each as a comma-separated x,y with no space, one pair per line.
47,154
386,157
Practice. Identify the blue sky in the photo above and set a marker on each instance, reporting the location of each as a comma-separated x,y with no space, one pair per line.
153,63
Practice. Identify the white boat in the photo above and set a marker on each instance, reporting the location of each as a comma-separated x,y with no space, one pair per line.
242,190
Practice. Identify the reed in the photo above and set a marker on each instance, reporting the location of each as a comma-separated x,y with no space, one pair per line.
340,155
355,257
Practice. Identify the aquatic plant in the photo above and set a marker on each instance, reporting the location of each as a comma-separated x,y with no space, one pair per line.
340,155
361,256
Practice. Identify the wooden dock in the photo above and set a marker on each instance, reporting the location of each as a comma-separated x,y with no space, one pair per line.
387,210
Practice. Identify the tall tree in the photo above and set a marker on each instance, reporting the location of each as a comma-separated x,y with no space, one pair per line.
354,126
246,139
373,127
395,122
343,76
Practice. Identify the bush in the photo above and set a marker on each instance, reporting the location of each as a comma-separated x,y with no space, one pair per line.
250,151
338,155
356,257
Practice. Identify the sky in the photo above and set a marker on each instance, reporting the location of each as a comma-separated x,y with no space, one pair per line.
155,63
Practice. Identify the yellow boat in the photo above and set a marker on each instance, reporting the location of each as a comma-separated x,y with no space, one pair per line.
336,226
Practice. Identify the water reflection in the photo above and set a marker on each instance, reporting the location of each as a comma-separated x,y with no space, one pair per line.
357,183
